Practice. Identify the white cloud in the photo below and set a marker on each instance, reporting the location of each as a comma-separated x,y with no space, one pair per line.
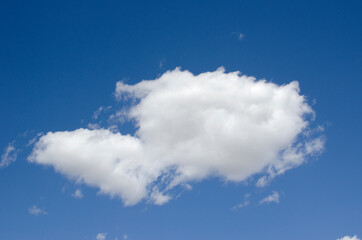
241,36
274,197
159,198
349,238
125,236
101,236
245,203
77,194
9,155
189,128
35,210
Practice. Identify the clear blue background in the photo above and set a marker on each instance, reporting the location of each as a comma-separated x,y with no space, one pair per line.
60,60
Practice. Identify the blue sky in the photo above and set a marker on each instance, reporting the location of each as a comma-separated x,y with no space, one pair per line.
60,62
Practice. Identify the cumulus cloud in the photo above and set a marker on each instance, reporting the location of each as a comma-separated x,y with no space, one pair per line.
101,236
274,197
349,238
8,156
35,210
77,194
188,128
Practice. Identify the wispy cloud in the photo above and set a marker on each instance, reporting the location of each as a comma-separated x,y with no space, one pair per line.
125,237
98,112
77,194
245,203
34,139
349,238
9,155
274,197
162,62
35,210
101,236
239,35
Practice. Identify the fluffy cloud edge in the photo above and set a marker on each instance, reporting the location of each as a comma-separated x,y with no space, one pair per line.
137,167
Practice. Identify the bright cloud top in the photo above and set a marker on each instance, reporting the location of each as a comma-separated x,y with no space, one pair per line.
188,128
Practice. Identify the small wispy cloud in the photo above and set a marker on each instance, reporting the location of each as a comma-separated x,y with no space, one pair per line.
162,62
125,236
36,211
34,139
263,181
9,155
101,236
99,111
274,197
245,203
240,36
187,186
77,194
349,238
